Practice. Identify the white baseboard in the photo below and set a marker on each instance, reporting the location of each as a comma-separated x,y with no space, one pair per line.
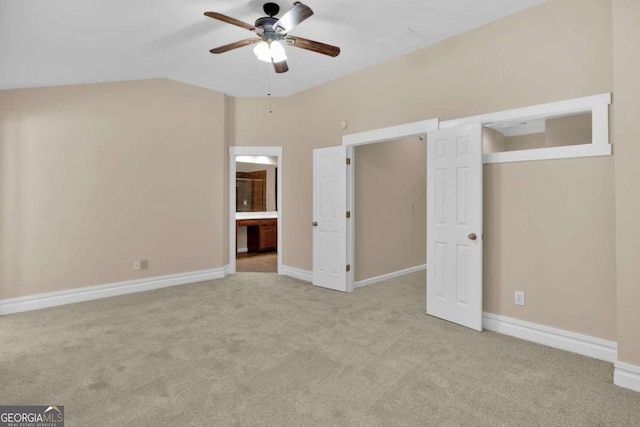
627,376
240,250
307,275
52,299
552,337
388,276
297,273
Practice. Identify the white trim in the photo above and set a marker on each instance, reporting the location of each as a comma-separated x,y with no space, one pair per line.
242,250
549,153
569,106
297,273
351,207
256,215
251,151
598,105
627,376
70,296
388,276
258,160
392,133
586,345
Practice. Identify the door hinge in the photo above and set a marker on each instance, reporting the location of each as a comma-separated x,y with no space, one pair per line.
348,267
348,214
348,161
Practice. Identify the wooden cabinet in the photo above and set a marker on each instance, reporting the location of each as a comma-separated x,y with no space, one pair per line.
268,235
262,234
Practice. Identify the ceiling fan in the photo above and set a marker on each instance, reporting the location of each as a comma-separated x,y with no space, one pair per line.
271,32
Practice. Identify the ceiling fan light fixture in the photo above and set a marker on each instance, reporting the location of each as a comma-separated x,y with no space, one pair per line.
262,51
271,33
277,52
272,51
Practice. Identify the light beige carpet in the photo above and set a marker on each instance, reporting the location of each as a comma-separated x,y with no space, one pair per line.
261,350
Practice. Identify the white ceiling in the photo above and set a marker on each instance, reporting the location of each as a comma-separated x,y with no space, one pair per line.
60,42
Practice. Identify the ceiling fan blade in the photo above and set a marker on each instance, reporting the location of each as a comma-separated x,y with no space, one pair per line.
235,45
281,67
294,16
229,20
323,48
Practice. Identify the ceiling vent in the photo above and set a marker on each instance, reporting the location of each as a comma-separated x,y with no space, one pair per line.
402,41
518,128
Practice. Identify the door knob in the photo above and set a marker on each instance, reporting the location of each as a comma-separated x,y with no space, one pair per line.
314,223
472,236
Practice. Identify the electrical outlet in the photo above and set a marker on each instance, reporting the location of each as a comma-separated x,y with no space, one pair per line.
518,297
142,264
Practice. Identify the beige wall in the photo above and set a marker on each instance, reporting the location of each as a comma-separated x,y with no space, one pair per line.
390,207
479,72
229,116
549,231
525,142
570,130
94,177
626,118
492,141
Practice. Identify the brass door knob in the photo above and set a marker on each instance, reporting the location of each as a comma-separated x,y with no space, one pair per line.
472,236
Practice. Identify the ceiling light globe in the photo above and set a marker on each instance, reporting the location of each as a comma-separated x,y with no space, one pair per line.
262,51
277,52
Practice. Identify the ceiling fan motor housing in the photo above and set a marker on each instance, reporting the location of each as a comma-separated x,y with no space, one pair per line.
265,28
266,22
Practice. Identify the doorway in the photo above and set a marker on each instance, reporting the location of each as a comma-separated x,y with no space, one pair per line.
390,181
255,209
457,202
394,133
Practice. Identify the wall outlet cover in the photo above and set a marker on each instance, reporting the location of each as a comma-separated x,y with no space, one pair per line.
518,297
142,264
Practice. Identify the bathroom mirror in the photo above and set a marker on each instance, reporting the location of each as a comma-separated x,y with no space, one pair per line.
256,184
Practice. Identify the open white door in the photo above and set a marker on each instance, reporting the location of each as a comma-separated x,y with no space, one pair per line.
454,225
329,218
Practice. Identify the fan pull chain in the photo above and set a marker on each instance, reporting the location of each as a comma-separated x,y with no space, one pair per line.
269,92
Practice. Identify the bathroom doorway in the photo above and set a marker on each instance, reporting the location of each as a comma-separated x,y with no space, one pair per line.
255,194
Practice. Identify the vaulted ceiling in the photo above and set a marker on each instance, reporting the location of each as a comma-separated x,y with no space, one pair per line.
61,42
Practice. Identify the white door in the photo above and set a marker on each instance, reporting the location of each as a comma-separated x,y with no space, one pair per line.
454,225
330,218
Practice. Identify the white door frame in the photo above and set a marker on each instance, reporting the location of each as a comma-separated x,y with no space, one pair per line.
375,136
251,151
